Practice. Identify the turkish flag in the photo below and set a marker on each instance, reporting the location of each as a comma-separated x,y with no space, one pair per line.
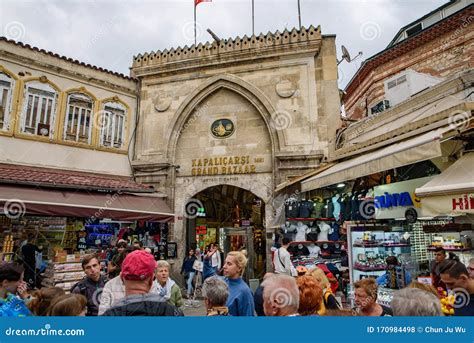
197,2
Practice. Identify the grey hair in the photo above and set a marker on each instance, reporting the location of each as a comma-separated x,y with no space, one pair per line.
162,264
282,290
415,302
216,291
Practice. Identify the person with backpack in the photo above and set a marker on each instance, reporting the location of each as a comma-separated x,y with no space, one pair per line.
329,300
282,261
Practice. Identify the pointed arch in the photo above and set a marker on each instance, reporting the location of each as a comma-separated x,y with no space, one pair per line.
235,84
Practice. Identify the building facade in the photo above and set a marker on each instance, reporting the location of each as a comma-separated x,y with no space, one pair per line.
432,48
62,114
238,115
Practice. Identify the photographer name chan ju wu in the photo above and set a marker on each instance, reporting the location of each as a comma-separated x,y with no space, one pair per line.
227,165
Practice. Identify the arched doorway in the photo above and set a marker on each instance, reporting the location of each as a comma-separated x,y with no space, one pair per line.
231,217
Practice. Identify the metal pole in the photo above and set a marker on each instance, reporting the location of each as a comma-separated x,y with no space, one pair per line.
194,24
253,17
299,13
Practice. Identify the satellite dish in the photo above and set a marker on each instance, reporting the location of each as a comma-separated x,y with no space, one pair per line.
346,56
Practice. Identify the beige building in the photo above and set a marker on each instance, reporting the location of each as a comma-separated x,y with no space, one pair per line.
62,114
222,123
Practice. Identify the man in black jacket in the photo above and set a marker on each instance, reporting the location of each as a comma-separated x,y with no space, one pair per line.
92,285
137,275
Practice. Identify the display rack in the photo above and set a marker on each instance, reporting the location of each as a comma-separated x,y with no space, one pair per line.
63,275
370,246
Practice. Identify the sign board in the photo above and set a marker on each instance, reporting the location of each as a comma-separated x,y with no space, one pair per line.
201,229
396,200
448,205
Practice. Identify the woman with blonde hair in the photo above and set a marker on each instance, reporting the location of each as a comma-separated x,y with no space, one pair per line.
240,301
329,301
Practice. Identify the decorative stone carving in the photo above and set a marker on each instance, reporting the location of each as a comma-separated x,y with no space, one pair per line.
162,103
285,88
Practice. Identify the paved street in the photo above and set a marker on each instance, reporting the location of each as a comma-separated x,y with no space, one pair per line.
197,310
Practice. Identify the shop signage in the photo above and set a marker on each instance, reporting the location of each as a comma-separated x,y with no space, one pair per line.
448,205
245,222
225,165
398,200
463,202
201,229
222,128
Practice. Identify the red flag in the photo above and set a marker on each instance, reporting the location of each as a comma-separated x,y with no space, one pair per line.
197,2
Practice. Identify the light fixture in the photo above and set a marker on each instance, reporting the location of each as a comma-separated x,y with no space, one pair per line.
341,185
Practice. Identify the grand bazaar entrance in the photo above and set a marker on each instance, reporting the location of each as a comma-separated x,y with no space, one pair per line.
233,218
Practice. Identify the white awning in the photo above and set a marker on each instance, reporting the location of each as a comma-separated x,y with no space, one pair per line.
458,178
450,193
420,148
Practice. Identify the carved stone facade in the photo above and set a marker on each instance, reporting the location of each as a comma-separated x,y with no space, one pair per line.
248,112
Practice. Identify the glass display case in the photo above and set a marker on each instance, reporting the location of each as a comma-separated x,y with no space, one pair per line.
459,243
369,248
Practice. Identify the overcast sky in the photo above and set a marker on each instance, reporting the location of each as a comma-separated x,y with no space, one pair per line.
109,33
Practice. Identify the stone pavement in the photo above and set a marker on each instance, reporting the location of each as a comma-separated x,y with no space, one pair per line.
197,309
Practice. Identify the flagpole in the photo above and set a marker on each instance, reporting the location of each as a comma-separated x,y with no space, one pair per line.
253,17
299,14
194,23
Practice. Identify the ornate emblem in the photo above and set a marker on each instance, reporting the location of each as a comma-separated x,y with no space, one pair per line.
222,128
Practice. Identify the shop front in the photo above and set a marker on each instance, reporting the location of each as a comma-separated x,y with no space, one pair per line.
375,211
64,224
449,197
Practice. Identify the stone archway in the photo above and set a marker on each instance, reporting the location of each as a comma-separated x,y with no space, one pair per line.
233,83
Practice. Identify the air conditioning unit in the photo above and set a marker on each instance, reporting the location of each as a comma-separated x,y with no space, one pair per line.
380,107
402,86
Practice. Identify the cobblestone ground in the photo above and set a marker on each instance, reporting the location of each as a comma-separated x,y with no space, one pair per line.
194,308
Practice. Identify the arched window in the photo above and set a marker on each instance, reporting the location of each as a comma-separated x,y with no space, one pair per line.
78,123
112,123
39,109
7,85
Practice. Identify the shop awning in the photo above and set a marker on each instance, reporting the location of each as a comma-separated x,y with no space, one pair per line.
450,193
420,148
458,178
53,202
300,178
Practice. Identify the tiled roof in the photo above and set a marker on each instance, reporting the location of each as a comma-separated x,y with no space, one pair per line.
33,48
46,177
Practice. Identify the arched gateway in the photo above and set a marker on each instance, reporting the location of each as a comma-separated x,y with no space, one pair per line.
221,124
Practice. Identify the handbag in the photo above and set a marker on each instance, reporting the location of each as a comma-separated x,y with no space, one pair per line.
197,265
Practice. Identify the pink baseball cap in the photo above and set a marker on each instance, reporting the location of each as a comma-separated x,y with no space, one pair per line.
139,265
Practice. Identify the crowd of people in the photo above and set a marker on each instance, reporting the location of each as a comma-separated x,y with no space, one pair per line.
138,285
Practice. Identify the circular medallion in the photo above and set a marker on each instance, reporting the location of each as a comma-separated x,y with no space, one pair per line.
162,103
222,128
285,89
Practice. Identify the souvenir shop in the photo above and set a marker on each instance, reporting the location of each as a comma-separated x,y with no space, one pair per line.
64,233
397,213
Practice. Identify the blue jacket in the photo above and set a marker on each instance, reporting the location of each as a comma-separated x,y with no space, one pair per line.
240,301
188,263
207,270
13,306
